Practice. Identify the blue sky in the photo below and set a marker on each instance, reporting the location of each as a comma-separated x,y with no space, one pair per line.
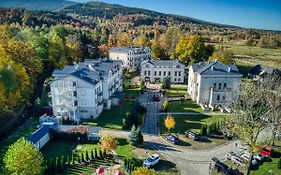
261,14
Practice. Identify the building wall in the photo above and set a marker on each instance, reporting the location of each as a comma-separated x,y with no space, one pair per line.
119,56
45,139
86,98
156,74
131,59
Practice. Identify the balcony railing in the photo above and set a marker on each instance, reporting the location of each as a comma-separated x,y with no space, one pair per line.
226,89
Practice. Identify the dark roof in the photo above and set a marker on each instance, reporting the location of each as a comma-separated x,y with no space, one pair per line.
215,68
136,49
37,135
163,62
260,69
91,71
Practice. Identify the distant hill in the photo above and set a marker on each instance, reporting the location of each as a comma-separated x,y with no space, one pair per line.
48,5
100,9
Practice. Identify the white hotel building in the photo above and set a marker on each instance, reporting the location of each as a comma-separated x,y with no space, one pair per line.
157,70
83,90
131,56
212,84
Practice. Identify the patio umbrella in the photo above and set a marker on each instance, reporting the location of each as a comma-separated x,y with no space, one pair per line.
118,173
100,170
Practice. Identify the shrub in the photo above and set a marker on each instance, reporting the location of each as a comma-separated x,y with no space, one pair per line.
142,85
166,83
203,129
166,105
135,137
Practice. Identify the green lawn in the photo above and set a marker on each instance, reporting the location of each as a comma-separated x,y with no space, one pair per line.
189,122
58,148
176,92
185,106
267,166
112,118
265,56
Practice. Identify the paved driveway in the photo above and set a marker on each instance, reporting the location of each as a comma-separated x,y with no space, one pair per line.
188,161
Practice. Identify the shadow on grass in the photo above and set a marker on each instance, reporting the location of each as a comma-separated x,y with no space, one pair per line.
188,121
204,139
276,154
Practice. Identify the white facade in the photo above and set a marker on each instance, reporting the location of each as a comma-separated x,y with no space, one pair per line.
84,90
131,56
157,70
212,84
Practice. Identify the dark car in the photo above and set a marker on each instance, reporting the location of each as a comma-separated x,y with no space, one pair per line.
156,98
173,139
192,135
222,167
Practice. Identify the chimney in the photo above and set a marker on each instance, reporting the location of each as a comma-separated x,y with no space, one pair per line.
229,69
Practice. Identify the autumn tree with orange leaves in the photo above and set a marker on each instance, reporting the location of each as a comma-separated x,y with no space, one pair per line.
108,143
169,122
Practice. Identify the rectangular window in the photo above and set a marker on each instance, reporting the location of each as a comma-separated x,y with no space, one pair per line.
164,73
179,79
175,80
215,85
176,73
155,73
224,85
144,72
148,73
179,73
169,73
159,73
218,97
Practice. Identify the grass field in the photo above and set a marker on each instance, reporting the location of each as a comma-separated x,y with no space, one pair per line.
58,148
189,122
112,118
184,106
270,166
257,55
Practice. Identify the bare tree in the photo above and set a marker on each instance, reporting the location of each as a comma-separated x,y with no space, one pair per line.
273,97
249,112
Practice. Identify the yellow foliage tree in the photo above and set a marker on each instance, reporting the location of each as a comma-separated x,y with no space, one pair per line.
170,122
108,143
144,170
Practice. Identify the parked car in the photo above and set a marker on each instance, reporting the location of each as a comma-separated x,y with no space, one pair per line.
151,160
258,156
235,159
266,151
172,138
246,157
222,167
192,135
156,98
227,135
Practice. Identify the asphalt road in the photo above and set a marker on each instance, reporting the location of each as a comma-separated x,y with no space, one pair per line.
188,161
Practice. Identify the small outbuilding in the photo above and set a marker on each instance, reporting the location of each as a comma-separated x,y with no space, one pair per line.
40,137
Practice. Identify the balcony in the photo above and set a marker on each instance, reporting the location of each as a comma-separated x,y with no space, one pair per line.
227,89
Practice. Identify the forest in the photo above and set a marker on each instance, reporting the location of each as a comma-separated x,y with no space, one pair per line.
34,43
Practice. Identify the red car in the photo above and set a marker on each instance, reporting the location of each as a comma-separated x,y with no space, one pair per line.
266,151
